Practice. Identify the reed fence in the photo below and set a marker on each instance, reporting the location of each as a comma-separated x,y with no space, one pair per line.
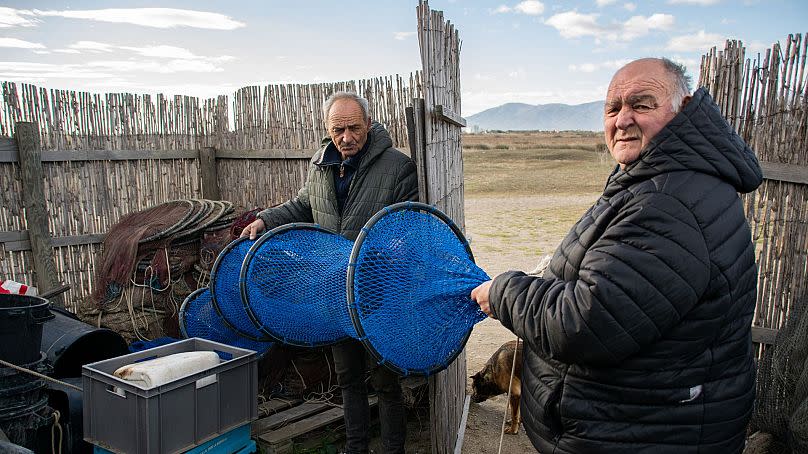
765,98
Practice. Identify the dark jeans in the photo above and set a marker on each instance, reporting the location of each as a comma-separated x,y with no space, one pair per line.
350,363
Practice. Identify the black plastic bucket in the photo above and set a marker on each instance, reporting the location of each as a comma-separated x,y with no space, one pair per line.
70,343
21,319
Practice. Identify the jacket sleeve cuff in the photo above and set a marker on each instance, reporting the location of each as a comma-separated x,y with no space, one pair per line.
496,295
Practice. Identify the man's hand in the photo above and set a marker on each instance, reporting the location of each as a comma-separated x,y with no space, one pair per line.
257,226
480,296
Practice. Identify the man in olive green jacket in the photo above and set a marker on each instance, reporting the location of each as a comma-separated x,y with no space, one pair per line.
356,173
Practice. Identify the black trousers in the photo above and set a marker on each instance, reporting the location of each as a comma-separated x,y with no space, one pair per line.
350,363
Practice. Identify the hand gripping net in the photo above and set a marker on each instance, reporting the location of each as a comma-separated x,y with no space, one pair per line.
409,281
293,285
198,318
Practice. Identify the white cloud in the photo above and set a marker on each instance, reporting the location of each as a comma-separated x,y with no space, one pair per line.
401,36
151,17
699,42
529,7
67,51
92,46
572,24
162,52
694,2
593,67
638,26
603,3
28,71
10,17
630,6
153,66
19,44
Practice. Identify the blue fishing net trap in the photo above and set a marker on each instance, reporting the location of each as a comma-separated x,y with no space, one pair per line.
410,277
403,289
293,285
224,286
198,318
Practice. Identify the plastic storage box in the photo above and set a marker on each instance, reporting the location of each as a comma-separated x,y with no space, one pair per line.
125,418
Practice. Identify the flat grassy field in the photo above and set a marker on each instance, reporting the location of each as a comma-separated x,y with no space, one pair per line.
525,190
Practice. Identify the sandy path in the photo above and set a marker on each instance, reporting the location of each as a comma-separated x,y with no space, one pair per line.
509,233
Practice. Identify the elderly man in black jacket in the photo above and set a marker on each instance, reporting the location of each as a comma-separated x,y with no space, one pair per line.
638,335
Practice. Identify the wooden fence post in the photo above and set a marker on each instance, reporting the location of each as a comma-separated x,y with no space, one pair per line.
36,215
209,174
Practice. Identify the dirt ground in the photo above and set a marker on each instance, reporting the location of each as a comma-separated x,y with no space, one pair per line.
505,234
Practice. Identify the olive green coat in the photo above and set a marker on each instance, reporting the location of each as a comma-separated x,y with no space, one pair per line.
385,176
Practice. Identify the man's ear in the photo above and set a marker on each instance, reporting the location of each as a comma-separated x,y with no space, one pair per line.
369,121
685,101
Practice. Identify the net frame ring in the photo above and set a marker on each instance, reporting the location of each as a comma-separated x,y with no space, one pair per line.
183,307
212,285
356,319
245,298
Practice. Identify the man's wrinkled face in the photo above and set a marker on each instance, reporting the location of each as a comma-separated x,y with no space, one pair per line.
638,106
347,127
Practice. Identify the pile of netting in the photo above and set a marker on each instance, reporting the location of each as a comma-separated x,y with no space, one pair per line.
402,288
153,259
780,420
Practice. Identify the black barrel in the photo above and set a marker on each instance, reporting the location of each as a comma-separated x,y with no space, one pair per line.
70,343
21,319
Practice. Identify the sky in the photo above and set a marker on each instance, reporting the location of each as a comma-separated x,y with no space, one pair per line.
534,52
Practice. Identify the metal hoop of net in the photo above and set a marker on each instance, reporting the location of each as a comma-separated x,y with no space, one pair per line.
293,285
198,318
410,277
224,287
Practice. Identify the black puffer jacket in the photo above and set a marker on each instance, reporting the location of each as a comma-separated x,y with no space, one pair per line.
638,335
385,176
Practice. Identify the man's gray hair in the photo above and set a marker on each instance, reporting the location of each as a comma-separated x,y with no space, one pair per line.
363,103
681,82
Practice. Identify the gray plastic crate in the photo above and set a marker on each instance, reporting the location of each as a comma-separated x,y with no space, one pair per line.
125,418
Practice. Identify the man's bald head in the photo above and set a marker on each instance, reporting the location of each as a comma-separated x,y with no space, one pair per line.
643,97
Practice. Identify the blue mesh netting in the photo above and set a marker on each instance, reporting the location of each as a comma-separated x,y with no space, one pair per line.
224,278
412,278
198,318
294,284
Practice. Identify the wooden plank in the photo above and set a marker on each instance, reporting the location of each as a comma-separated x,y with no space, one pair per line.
285,433
410,113
266,154
275,405
116,155
7,144
9,155
209,173
33,188
19,240
764,335
791,173
461,432
285,417
419,150
446,114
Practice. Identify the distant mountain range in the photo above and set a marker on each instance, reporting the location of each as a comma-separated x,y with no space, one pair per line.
541,117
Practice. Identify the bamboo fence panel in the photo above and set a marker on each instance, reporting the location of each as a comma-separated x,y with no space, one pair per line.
765,99
440,51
